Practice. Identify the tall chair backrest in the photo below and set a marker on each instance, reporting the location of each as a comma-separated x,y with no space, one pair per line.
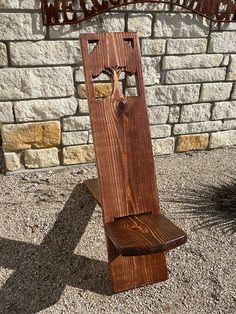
120,127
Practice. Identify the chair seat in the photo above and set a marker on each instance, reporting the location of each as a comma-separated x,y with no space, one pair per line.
144,234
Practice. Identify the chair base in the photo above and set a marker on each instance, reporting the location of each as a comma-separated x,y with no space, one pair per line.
129,272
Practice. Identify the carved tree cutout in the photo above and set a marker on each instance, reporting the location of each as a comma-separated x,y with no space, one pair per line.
114,73
115,81
110,81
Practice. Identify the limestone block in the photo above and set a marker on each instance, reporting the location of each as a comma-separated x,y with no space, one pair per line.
154,7
45,52
173,94
225,61
21,26
197,127
215,91
109,22
228,26
195,112
153,47
83,106
180,25
224,110
232,69
79,74
222,139
90,140
195,75
76,123
3,55
186,143
50,109
12,161
141,23
36,83
222,42
234,92
74,138
9,4
163,146
101,90
174,114
186,45
158,115
31,135
20,4
151,71
158,131
229,124
78,154
6,112
192,61
41,158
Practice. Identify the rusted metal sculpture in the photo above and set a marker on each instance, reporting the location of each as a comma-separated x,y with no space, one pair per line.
137,233
61,12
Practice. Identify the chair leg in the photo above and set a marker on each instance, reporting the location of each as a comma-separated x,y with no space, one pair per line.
129,272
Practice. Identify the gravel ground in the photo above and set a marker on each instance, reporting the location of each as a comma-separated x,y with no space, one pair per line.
52,247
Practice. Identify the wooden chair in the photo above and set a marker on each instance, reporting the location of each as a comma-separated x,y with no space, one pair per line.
137,233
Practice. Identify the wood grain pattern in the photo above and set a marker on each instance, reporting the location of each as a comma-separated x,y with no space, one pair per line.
93,187
144,234
127,183
120,128
140,234
129,272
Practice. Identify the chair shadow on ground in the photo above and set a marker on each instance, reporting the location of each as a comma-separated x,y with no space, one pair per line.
41,272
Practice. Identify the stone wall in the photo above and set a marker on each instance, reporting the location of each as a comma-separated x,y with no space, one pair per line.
189,68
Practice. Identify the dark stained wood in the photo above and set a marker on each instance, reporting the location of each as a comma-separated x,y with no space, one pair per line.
144,234
129,272
121,133
93,187
127,182
140,234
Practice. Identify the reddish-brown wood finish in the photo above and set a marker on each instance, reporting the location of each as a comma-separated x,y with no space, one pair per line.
144,234
127,182
140,234
129,272
93,187
120,128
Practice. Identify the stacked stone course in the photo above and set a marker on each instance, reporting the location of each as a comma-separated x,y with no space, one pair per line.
189,66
